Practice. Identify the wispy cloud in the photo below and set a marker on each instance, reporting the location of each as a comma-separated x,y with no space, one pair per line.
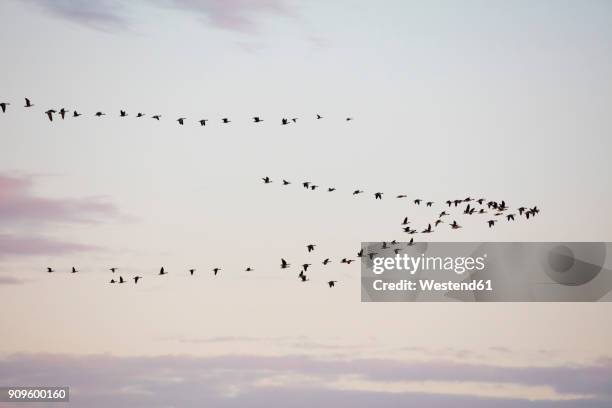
299,381
10,280
28,246
18,204
234,15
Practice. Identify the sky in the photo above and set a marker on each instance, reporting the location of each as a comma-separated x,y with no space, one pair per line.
504,100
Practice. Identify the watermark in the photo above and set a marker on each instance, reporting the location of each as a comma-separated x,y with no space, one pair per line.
486,272
34,394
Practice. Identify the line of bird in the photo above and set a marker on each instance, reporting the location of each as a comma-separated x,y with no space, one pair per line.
498,208
283,265
63,113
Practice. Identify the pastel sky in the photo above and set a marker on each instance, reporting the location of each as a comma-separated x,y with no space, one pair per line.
505,100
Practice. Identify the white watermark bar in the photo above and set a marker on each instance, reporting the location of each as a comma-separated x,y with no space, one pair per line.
34,394
486,272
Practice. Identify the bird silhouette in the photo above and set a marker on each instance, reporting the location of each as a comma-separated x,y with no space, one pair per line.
139,115
162,271
305,266
257,119
112,281
294,120
284,264
113,269
181,121
418,201
491,223
49,270
349,119
266,180
248,269
226,120
454,225
191,271
405,222
427,230
76,114
203,122
411,242
326,261
136,279
156,117
286,183
357,192
510,217
319,116
378,196
49,114
347,261
123,114
401,196
332,283
331,189
121,280
310,247
429,203
284,121
74,270
216,271
63,112
3,106
100,114
28,104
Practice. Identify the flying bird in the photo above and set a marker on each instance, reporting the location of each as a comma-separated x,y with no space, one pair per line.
319,116
156,117
76,114
139,115
428,229
100,114
248,269
162,271
203,122
286,183
284,264
74,270
226,120
266,180
28,104
136,278
63,112
121,280
191,271
332,283
378,196
257,119
310,247
49,114
357,192
113,269
216,271
454,225
491,223
284,121
330,189
3,106
181,121
50,270
122,113
418,201
305,266
326,261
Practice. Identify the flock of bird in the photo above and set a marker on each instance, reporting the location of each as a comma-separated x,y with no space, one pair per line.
497,209
64,113
480,206
283,265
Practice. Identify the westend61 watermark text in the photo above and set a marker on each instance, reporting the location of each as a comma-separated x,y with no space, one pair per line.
486,272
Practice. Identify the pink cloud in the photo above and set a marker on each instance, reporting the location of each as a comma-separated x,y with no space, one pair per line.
233,15
19,204
16,245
